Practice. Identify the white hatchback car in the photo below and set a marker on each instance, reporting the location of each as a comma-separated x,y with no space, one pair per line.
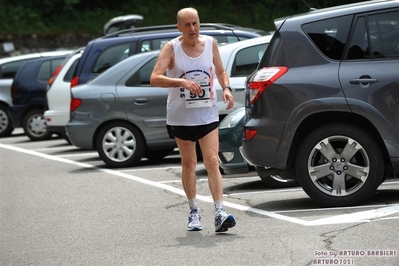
239,59
8,68
59,94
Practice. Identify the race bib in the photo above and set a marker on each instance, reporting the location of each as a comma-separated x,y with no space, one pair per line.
201,100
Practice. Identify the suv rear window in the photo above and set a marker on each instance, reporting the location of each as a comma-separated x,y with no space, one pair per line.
329,35
156,44
47,68
111,56
381,40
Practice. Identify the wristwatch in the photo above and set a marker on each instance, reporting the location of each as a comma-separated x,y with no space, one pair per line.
227,87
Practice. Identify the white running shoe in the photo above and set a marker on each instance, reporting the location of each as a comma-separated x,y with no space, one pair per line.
223,221
194,220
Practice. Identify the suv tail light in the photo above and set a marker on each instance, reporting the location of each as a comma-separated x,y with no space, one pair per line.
74,81
262,79
249,133
75,103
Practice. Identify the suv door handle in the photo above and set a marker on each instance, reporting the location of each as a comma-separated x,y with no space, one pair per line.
364,81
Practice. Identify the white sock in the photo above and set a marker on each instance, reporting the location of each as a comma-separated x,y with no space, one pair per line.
218,204
193,203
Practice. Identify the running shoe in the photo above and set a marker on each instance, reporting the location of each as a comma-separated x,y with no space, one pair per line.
223,221
194,220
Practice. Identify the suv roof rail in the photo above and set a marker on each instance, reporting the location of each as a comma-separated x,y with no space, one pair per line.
217,26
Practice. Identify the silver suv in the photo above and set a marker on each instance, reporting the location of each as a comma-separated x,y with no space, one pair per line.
323,104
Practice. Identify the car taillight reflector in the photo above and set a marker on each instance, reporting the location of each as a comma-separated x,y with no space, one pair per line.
75,103
53,76
249,133
74,81
262,79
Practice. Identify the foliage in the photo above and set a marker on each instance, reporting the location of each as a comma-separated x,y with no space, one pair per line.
78,16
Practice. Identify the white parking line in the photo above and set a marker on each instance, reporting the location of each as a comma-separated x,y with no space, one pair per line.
358,217
78,154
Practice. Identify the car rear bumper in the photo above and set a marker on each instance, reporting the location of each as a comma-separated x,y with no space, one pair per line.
263,148
80,134
56,117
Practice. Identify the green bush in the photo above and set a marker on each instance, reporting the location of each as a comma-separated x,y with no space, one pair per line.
77,16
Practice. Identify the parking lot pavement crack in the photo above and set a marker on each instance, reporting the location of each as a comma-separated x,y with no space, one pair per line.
328,237
174,171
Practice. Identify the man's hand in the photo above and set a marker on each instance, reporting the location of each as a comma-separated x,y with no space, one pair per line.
192,86
228,97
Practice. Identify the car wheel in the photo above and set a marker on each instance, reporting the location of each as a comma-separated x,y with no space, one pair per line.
35,126
273,178
6,127
339,165
120,144
157,155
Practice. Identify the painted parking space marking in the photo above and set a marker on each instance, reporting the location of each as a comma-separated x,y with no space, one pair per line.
357,217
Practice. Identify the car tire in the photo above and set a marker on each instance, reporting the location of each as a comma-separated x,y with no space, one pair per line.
333,175
34,125
6,126
120,144
272,178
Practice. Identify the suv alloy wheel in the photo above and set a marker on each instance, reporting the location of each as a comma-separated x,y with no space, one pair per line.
339,163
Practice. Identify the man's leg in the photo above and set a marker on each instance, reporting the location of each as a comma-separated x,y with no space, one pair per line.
189,180
210,147
188,163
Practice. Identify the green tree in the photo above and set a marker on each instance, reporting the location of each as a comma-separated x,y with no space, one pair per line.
76,16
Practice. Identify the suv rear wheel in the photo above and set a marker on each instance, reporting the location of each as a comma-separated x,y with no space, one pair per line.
339,165
35,126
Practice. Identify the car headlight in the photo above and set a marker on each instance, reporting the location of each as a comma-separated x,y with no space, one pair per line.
232,119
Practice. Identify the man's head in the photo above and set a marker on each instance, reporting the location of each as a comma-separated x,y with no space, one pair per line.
188,22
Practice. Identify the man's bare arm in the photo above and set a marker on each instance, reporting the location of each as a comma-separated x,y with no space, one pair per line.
166,61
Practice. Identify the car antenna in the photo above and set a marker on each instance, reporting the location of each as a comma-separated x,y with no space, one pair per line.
100,31
310,8
227,25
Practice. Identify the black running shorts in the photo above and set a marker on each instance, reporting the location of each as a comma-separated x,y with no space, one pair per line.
192,133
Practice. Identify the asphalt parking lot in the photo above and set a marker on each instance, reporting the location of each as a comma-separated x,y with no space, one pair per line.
61,206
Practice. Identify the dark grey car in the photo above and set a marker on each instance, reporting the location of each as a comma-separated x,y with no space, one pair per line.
120,115
323,105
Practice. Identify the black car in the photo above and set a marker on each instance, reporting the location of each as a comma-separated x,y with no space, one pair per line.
28,93
323,104
104,52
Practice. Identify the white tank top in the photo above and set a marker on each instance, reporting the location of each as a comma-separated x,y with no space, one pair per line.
184,109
